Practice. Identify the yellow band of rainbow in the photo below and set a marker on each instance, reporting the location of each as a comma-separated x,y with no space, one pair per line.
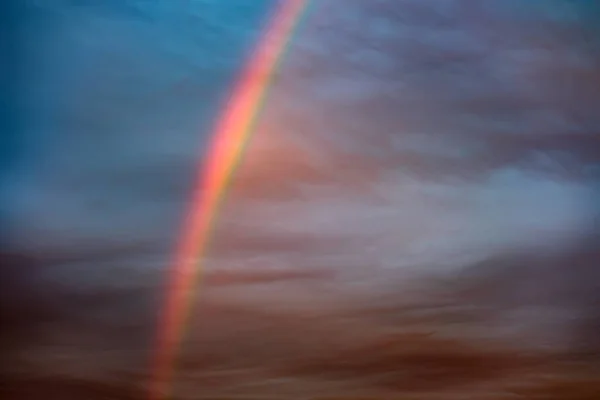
233,132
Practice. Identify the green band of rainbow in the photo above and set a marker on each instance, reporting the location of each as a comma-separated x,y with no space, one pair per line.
232,135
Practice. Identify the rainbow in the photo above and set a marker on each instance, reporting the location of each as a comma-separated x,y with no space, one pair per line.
233,132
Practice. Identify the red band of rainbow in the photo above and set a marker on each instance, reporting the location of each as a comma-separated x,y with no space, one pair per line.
232,134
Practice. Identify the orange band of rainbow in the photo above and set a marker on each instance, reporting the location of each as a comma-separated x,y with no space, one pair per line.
233,132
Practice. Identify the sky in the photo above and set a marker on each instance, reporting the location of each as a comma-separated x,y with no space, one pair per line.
397,134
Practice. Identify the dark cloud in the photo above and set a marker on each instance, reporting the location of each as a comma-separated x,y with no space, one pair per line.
399,139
